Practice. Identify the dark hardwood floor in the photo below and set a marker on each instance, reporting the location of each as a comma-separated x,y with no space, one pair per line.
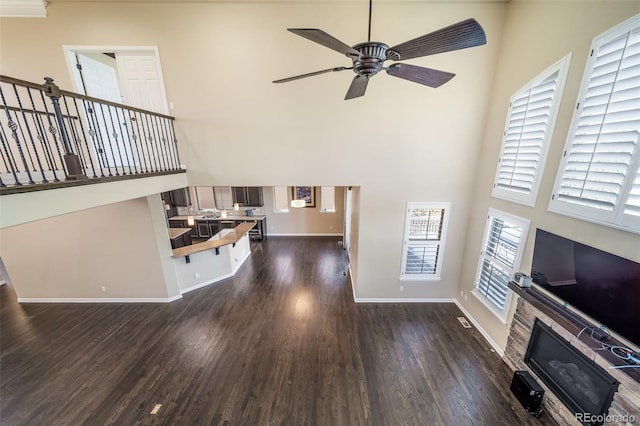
281,343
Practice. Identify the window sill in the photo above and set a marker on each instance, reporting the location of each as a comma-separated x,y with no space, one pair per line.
431,279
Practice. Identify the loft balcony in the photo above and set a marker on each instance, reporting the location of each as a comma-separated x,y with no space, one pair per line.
51,138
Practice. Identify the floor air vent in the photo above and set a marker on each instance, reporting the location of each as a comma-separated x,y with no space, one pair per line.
464,322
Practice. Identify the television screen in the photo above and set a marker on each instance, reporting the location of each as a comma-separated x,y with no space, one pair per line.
604,286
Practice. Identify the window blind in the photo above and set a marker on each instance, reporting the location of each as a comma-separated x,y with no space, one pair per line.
500,258
280,199
205,196
328,199
223,197
532,112
424,238
599,174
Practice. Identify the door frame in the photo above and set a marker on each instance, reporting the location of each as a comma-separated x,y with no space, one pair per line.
70,56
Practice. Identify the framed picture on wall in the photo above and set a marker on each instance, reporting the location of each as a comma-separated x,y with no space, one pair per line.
306,193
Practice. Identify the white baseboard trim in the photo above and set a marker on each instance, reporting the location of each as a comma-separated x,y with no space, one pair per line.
322,234
486,336
353,287
206,283
174,298
404,300
220,278
96,300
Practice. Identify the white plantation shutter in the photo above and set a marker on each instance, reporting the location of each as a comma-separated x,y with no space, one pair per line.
223,197
502,248
328,199
598,177
280,199
532,112
425,230
205,197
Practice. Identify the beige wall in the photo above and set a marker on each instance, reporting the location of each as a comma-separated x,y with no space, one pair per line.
305,221
75,255
537,34
401,142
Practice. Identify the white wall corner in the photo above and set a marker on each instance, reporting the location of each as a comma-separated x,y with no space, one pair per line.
482,331
23,8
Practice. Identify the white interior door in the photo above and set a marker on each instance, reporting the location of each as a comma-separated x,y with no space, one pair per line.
141,80
100,80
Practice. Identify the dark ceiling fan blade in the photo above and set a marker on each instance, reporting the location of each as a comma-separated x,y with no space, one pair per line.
357,88
311,74
324,39
462,35
427,76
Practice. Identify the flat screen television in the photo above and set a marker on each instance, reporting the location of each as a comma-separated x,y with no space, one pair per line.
604,286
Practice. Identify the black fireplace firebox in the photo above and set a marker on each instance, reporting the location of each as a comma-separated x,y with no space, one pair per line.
581,384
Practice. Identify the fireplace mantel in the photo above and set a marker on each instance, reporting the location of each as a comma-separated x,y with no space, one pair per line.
533,304
573,323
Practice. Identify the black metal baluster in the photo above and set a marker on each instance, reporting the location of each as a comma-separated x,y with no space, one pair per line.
72,128
165,139
97,136
150,139
134,137
71,160
13,126
52,130
116,136
106,128
175,143
84,138
123,124
37,121
163,155
9,156
30,155
33,142
141,140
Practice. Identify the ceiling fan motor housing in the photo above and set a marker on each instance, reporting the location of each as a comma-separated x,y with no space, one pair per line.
372,55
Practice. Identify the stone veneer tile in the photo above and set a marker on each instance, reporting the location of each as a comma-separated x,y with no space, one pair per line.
626,400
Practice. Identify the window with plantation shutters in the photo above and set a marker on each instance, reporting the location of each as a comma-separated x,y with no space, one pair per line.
424,237
532,113
223,197
327,199
280,199
504,240
598,179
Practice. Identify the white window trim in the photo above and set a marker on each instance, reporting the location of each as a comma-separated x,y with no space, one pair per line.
501,314
286,191
616,218
562,67
443,237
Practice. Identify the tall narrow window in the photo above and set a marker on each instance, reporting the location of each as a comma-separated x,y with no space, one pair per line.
280,199
598,178
527,135
504,240
424,238
223,197
205,197
328,199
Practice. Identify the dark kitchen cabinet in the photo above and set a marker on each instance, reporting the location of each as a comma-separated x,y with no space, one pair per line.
247,196
207,228
180,197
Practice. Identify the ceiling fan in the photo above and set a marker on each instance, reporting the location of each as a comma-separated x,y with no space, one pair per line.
368,57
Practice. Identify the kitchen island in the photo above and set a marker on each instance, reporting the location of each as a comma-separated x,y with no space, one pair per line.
204,263
208,225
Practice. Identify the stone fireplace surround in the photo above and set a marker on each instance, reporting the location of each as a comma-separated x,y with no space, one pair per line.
626,402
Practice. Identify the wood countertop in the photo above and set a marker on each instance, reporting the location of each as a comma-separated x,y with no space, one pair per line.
232,237
176,232
229,217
